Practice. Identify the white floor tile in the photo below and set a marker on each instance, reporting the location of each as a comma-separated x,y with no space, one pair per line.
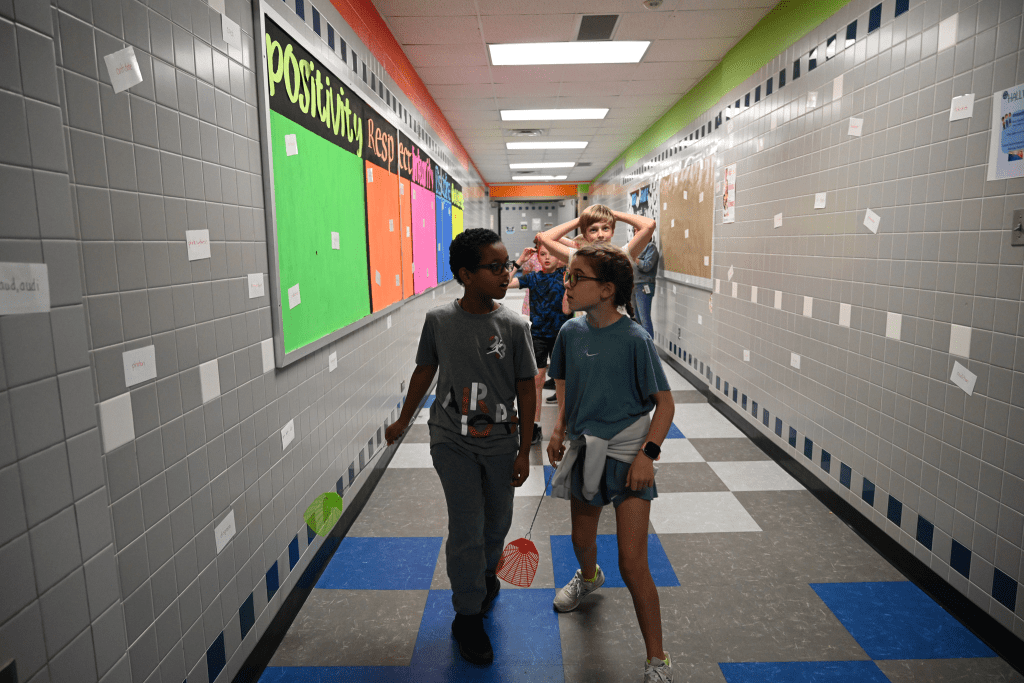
755,476
534,485
679,450
676,381
415,455
696,513
702,421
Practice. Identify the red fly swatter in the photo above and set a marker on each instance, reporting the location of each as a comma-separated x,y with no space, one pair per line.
519,560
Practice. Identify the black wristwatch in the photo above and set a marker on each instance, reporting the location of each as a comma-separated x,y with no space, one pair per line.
652,450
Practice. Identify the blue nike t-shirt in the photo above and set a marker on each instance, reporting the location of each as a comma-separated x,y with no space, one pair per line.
610,372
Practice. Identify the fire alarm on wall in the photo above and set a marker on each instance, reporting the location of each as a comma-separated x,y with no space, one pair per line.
653,4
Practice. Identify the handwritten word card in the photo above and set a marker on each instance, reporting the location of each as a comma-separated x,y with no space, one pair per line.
123,68
24,288
198,242
139,365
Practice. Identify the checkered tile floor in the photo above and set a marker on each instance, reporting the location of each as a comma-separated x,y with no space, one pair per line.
758,582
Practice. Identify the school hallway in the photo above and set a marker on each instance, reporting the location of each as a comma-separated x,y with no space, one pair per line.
758,581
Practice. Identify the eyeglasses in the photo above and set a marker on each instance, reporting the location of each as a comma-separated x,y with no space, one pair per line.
497,268
572,279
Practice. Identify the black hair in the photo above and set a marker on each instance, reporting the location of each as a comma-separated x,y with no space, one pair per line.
464,251
611,264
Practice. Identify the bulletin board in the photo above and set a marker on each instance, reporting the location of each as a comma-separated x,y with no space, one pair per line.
358,217
687,220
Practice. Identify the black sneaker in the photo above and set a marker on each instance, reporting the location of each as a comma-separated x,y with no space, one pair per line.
550,384
553,398
493,586
536,435
474,645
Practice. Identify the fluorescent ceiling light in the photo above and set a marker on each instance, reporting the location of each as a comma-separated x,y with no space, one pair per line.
539,177
545,145
551,114
577,52
545,164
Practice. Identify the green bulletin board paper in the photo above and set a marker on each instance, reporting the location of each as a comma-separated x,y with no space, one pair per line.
316,192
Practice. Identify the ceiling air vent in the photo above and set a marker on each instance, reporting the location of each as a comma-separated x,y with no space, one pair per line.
526,132
597,26
584,164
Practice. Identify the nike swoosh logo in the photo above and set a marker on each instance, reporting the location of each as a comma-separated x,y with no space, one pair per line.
591,355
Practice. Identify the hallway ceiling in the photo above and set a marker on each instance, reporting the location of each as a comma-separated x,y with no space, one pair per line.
446,40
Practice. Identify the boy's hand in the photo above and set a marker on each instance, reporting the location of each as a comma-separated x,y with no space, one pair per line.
394,431
527,253
556,448
521,469
641,473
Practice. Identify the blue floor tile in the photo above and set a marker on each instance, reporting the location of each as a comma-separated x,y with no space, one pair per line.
803,672
565,564
549,472
897,620
334,674
523,630
674,432
357,564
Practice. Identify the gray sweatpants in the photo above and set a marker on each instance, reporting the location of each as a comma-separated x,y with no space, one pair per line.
479,493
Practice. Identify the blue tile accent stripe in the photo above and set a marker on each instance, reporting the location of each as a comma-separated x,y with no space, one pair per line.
925,530
803,672
272,581
246,616
895,512
808,448
293,552
868,492
960,559
792,437
215,657
826,461
1004,589
875,18
844,474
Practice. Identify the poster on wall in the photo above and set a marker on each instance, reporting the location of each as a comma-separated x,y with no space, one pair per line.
729,195
1006,152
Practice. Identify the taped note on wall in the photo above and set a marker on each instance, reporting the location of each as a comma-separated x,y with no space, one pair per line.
255,285
962,107
335,240
288,433
837,87
123,69
963,378
198,242
871,221
225,530
24,288
231,32
139,365
856,127
819,200
332,361
294,297
291,145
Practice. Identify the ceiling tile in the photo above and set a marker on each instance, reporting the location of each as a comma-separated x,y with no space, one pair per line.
687,50
528,28
435,30
446,55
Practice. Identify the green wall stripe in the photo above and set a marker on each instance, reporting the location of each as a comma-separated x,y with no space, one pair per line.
789,21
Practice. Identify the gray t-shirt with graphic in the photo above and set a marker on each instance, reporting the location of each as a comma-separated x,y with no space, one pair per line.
479,358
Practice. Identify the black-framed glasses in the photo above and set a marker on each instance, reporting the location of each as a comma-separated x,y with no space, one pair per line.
497,268
572,279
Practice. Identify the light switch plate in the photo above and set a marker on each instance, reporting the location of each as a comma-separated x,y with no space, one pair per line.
1017,229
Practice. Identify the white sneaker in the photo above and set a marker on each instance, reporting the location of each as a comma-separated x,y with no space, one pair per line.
657,671
572,594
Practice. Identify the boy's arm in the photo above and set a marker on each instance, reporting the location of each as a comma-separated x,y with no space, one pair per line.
514,283
643,230
553,239
556,446
419,384
526,397
641,472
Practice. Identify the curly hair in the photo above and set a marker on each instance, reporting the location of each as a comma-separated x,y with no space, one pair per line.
610,264
594,214
464,251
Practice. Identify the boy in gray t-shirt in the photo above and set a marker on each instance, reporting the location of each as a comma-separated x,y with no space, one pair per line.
483,357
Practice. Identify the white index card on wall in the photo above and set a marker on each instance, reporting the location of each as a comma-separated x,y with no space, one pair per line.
686,234
753,294
216,5
664,207
707,260
332,361
947,32
794,360
963,378
778,220
844,314
812,99
225,530
231,32
746,355
701,198
673,222
267,351
335,240
871,221
685,194
819,200
391,225
376,276
123,69
256,288
139,365
209,380
291,145
893,325
731,272
735,289
198,243
778,299
961,107
369,175
294,296
288,433
856,127
837,87
24,288
808,306
389,322
960,341
700,319
117,424
718,285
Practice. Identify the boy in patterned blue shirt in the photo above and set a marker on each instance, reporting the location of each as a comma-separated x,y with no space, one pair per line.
547,288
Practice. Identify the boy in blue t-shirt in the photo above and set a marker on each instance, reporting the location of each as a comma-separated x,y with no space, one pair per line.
546,317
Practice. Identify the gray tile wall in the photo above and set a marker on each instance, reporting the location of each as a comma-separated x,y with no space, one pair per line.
883,407
110,563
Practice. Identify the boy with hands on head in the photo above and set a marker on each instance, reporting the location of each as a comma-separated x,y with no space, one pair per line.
483,357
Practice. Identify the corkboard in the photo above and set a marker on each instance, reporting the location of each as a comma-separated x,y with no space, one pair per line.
682,210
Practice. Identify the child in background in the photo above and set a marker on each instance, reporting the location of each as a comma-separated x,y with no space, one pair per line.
597,224
546,317
529,264
483,353
608,378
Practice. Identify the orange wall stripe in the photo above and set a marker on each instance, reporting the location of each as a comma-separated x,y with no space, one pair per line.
371,28
531,191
